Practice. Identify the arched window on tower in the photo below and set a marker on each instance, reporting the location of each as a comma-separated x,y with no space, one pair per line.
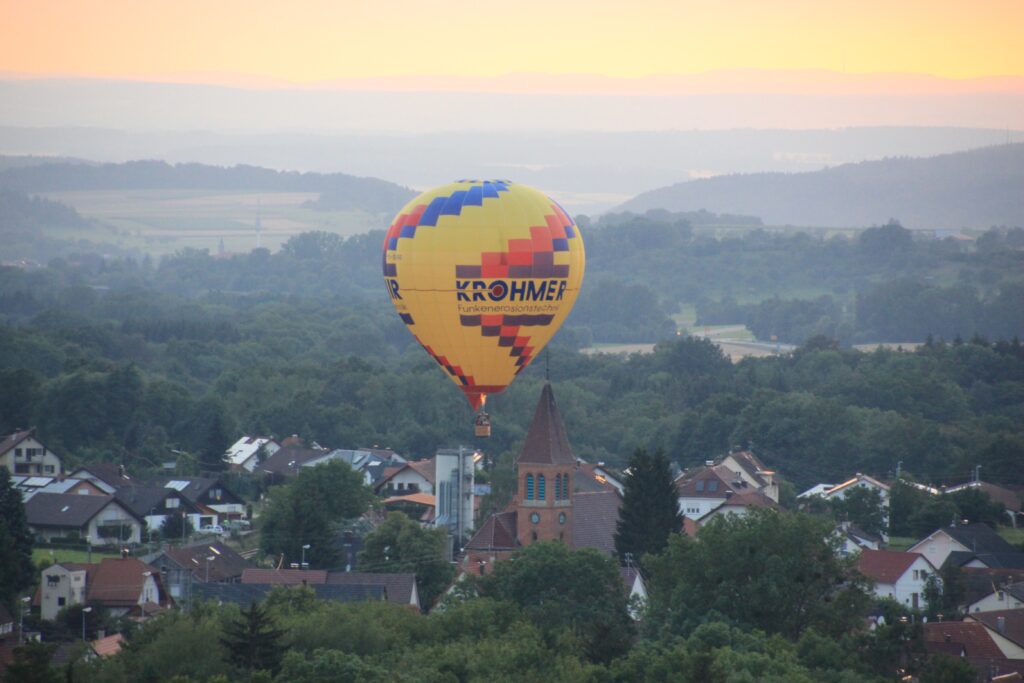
558,487
540,486
565,486
529,487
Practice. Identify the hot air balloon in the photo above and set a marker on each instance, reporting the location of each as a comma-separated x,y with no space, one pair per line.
483,273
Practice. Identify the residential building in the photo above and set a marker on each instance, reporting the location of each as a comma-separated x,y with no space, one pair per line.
965,640
1006,560
242,594
1009,499
121,585
708,488
206,562
901,576
32,485
1002,598
22,453
155,504
852,539
1006,628
416,476
215,501
974,538
398,588
636,590
753,472
288,461
100,519
246,453
107,476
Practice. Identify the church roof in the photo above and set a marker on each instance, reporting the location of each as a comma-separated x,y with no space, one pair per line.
546,442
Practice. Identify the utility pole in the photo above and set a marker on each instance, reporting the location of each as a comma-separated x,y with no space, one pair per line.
899,469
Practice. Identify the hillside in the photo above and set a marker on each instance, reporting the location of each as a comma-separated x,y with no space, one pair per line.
343,191
975,189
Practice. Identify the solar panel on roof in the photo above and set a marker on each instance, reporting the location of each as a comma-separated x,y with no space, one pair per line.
38,481
177,485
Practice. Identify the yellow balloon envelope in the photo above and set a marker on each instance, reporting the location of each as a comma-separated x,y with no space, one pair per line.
483,273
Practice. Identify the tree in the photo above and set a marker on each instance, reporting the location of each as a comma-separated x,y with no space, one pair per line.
253,642
175,527
769,570
16,570
215,437
402,545
650,506
32,664
307,510
559,589
863,507
945,669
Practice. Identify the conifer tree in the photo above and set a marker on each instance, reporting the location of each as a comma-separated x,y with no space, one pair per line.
650,506
16,570
254,642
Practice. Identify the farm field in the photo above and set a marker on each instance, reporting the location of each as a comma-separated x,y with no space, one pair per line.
163,221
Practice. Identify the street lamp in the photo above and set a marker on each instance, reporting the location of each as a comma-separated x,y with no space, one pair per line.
304,549
84,610
209,559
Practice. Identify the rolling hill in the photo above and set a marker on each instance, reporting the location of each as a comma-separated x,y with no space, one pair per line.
974,189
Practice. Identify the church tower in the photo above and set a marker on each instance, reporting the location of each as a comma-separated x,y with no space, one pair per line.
545,466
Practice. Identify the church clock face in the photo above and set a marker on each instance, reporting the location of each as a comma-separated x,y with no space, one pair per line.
535,518
561,518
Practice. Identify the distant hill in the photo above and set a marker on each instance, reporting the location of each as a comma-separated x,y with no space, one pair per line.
976,189
339,191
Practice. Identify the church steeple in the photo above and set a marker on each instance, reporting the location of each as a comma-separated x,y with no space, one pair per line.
546,465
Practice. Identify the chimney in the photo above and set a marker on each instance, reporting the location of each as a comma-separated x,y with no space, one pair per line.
100,634
1001,625
709,463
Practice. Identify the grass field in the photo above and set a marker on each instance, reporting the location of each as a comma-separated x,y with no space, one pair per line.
66,555
164,221
1015,536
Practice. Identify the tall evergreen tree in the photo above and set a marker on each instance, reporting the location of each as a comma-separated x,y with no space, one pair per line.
650,506
254,642
215,438
16,570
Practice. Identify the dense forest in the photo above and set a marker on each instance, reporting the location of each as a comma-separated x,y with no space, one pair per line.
977,189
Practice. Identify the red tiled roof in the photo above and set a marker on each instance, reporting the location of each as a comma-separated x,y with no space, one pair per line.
1012,620
498,532
288,577
118,582
546,441
974,637
425,468
589,480
111,645
719,474
885,566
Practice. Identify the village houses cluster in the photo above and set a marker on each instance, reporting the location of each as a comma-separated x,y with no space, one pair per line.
100,507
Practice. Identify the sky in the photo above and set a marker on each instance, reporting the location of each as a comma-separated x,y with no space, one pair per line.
462,44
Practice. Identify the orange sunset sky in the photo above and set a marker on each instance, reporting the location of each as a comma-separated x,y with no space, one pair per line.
309,42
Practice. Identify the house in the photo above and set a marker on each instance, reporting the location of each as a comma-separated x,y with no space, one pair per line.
1005,627
204,562
416,476
108,477
556,498
1011,500
963,639
81,487
101,519
398,588
858,481
214,500
287,461
702,491
901,576
738,504
852,539
155,504
816,490
108,646
755,473
246,453
244,594
636,589
975,538
23,453
1008,560
1002,598
118,584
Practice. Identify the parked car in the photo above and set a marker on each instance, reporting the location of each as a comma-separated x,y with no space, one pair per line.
212,529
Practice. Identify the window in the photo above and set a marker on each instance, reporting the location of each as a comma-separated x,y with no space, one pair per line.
61,602
565,486
21,468
558,487
17,452
700,486
713,485
529,487
540,486
48,469
171,503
